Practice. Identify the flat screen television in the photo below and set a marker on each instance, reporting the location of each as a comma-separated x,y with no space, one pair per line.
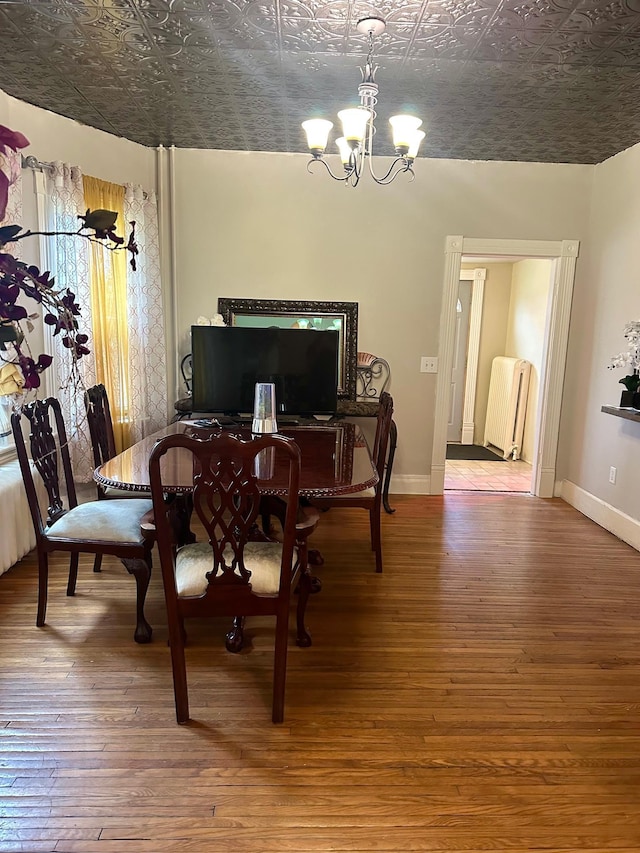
229,360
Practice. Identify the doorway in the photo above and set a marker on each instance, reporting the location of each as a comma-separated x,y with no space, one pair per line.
564,255
495,452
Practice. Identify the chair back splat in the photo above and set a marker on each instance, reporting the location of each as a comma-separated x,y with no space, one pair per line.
96,527
229,572
96,402
45,451
100,424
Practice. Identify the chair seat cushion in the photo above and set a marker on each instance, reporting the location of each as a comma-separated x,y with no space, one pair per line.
102,521
262,559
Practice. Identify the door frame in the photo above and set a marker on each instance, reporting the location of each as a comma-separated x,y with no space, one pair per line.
564,253
477,278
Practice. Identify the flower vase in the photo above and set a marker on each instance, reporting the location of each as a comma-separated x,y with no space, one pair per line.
626,399
636,400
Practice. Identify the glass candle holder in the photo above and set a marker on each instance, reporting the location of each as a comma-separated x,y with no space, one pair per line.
264,409
264,465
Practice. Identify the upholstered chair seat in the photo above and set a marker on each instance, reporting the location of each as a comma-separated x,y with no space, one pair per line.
118,528
101,521
262,559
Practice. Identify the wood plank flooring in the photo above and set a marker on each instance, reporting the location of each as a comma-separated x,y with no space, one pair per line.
482,694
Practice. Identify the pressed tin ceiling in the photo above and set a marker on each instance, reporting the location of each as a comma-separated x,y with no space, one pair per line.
543,80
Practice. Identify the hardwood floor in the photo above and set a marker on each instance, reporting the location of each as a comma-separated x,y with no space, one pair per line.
482,694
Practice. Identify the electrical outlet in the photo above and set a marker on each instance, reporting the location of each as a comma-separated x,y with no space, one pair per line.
612,474
428,364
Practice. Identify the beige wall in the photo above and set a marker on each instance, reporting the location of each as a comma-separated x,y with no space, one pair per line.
257,225
608,296
54,137
530,284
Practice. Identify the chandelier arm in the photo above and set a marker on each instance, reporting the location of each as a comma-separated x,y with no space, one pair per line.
398,166
360,156
328,168
353,178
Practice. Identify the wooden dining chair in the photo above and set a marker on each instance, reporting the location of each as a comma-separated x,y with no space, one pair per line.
103,445
370,499
110,527
228,574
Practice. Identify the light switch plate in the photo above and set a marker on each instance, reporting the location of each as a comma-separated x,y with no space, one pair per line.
428,364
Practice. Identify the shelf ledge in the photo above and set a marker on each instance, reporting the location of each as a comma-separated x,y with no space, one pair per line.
618,412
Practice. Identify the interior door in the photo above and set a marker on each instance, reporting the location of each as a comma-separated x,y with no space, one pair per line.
463,309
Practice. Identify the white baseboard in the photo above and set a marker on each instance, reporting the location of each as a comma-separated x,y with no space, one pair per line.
410,484
621,525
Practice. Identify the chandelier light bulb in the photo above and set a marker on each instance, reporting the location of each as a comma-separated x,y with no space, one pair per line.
417,138
317,130
404,128
345,150
354,124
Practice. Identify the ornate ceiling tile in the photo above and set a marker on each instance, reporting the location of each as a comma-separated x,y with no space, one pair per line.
511,79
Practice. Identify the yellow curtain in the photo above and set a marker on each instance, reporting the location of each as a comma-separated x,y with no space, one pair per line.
108,283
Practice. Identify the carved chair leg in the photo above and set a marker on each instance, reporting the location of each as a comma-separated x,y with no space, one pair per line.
303,637
183,633
43,577
179,668
73,574
141,570
280,666
376,541
393,440
235,637
97,563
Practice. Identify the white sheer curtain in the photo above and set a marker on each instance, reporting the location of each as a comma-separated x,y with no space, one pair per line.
69,262
147,372
13,169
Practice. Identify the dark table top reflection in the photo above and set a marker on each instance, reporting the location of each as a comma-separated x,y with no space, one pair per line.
335,460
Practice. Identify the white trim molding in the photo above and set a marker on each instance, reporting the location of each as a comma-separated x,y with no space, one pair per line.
607,516
452,261
477,276
564,253
410,484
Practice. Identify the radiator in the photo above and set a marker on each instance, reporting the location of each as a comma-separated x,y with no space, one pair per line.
507,405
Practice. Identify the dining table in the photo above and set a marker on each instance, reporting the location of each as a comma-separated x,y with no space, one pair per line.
335,459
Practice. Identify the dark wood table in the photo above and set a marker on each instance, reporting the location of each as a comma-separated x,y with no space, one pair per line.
346,409
335,460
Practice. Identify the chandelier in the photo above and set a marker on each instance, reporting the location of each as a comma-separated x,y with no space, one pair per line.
356,143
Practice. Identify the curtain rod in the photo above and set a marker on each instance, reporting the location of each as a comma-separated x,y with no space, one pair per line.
32,162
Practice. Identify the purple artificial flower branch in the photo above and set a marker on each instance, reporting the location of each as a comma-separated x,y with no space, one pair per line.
17,278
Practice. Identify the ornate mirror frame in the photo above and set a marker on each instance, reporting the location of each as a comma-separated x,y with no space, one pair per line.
280,311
